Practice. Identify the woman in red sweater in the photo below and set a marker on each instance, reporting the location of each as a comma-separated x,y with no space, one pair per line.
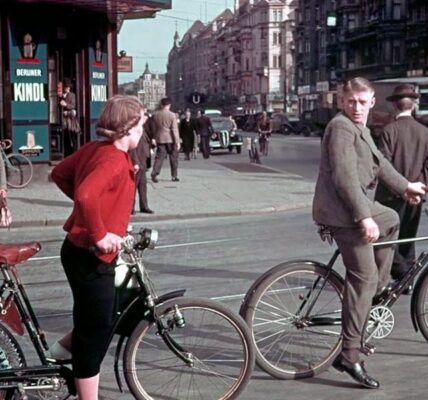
99,178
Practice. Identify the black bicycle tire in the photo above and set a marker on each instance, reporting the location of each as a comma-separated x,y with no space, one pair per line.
30,165
260,287
420,293
10,345
239,324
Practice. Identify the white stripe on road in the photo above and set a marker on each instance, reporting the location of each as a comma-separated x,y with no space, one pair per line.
167,246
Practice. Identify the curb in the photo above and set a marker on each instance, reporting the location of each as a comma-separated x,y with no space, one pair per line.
170,217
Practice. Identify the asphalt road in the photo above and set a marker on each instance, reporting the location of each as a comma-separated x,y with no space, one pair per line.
219,259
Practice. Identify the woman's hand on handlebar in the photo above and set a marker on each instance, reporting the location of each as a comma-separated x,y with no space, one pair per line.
110,243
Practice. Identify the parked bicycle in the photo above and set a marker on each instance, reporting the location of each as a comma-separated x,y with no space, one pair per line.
19,168
294,312
171,347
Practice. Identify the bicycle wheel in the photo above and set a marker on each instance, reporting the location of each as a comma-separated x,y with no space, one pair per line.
294,313
11,356
19,170
420,310
217,340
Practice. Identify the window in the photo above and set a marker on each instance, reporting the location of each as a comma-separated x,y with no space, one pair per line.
396,52
396,9
277,61
264,59
351,21
276,38
275,15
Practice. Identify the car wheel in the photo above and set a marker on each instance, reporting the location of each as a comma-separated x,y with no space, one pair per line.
284,130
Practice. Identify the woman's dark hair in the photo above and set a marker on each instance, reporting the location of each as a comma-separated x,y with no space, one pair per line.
119,115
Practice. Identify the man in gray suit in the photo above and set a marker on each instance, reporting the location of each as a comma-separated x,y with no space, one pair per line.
404,143
167,139
349,169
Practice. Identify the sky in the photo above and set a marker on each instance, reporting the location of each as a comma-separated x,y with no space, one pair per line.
150,40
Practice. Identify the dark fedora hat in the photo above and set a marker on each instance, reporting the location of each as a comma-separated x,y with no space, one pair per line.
404,90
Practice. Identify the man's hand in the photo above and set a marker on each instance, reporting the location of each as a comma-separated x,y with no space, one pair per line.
3,193
178,146
136,168
414,192
110,243
370,229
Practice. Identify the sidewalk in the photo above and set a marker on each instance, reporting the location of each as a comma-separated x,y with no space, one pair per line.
206,189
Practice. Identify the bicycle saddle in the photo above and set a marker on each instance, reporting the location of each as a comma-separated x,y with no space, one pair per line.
16,253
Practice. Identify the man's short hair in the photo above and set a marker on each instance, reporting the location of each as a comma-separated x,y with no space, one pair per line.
358,84
166,101
405,104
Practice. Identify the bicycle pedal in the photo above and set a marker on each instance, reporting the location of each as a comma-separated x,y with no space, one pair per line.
368,349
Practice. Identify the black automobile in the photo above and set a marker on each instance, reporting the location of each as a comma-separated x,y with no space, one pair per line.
223,136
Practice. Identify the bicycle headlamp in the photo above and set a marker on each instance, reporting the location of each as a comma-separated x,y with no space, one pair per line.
149,238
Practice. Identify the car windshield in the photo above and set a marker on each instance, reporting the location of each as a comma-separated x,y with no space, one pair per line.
221,124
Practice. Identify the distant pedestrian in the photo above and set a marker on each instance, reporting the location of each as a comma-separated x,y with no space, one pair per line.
70,123
251,144
233,126
141,158
204,129
404,143
264,130
167,139
187,134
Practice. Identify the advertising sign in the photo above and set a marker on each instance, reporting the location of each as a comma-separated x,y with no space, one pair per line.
29,80
98,70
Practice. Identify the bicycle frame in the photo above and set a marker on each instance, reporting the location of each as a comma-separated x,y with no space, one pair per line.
18,314
420,266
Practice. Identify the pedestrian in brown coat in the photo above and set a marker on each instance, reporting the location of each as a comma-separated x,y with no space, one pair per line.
404,143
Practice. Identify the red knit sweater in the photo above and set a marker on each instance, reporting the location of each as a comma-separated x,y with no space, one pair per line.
99,178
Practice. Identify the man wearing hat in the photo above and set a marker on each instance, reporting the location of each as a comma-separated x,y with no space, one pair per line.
404,143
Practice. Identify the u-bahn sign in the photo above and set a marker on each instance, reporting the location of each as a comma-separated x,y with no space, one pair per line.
196,98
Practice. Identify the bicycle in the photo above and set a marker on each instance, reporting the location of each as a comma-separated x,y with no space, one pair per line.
170,346
294,313
19,168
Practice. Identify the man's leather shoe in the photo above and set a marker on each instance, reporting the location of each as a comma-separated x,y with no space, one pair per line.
154,179
147,211
175,179
356,371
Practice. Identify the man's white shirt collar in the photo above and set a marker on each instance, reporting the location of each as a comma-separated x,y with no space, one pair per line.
407,113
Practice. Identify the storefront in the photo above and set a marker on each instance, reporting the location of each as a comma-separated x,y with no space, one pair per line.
47,45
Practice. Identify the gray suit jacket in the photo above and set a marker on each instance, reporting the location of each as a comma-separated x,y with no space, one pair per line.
350,167
165,127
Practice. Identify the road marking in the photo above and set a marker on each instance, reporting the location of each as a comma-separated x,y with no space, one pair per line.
167,246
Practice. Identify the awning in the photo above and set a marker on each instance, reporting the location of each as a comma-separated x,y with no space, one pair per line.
115,9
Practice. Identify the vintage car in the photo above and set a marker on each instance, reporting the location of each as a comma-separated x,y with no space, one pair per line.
223,137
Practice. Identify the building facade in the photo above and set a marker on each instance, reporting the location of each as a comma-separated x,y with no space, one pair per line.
381,40
151,88
236,62
46,43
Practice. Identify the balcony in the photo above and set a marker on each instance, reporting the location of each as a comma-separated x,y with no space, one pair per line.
374,71
360,33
